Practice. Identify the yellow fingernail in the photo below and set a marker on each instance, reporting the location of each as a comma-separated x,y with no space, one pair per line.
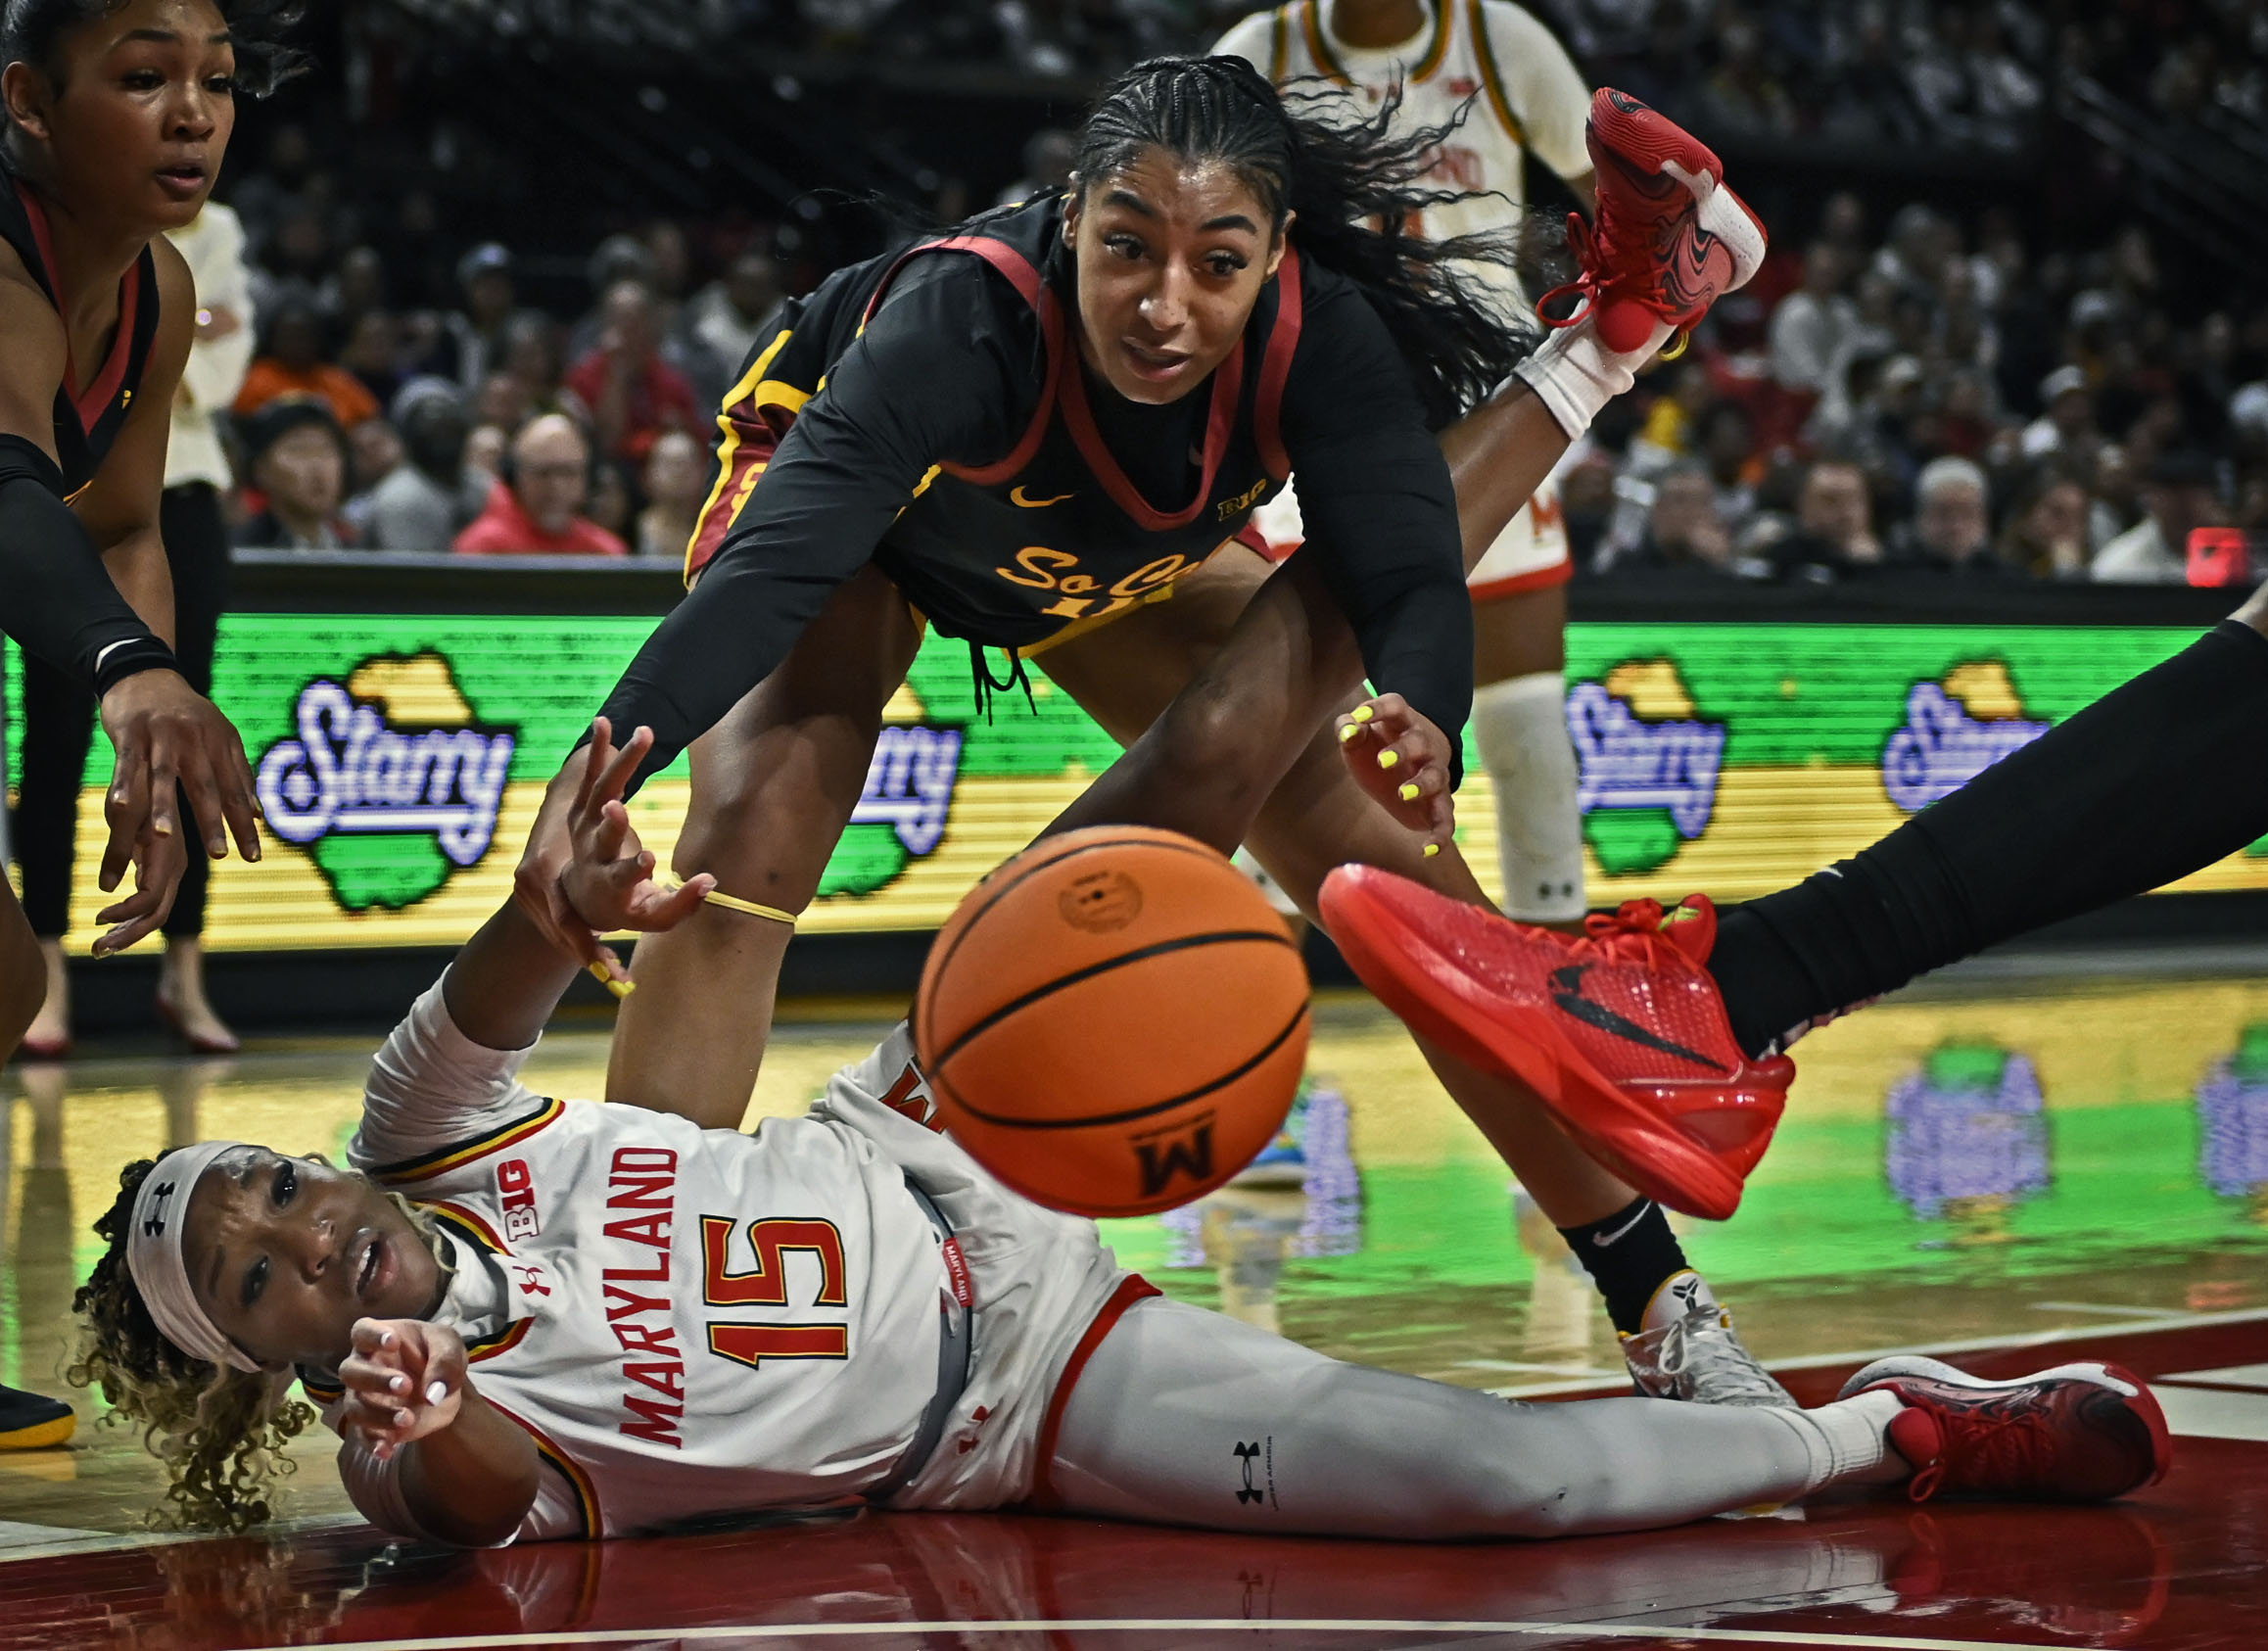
1363,713
621,988
1408,793
1347,732
164,828
1433,849
1386,759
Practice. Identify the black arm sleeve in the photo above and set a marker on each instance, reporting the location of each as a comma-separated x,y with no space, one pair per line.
1380,512
943,372
54,598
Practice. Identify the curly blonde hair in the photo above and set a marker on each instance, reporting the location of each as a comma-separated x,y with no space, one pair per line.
221,1433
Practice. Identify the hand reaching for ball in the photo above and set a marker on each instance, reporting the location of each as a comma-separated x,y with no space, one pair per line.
1401,759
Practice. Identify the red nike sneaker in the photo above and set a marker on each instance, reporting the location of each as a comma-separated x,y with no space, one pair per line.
1618,1030
2079,1432
1668,238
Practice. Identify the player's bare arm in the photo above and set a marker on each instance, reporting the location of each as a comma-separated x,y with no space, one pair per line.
468,1471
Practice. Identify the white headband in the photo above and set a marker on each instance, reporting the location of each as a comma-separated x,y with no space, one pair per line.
161,1270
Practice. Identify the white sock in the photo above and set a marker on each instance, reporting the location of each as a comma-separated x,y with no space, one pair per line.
1520,729
1574,374
1848,1441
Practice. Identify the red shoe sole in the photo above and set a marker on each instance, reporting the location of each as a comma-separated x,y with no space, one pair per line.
1522,1044
1647,137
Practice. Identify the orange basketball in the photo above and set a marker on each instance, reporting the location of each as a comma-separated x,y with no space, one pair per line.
1115,1022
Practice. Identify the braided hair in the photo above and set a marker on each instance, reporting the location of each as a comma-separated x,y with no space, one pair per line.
1356,188
221,1433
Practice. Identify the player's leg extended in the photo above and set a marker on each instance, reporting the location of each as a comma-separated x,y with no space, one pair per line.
2158,778
773,786
1520,725
1191,1418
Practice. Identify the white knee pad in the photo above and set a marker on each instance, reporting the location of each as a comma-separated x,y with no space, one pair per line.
1521,727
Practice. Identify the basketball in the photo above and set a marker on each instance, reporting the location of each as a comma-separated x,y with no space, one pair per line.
1115,1022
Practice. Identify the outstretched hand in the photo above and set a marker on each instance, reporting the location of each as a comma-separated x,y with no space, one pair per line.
608,882
1402,759
170,739
404,1380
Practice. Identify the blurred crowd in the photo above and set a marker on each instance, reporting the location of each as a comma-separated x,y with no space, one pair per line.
1921,74
477,423
1940,401
1905,387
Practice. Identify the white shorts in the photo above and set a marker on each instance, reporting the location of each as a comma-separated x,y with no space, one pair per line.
1529,554
1042,1281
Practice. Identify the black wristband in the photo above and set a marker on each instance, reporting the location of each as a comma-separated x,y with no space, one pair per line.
121,660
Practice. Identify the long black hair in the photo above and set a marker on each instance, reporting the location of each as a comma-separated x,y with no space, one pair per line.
33,32
1357,189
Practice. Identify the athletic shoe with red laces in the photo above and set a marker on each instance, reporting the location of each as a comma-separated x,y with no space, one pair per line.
2079,1432
1618,1030
1668,238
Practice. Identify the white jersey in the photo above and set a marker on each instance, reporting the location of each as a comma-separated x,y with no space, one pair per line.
1526,95
692,1322
1524,92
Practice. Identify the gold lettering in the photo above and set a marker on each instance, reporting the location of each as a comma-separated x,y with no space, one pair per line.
1151,574
1036,560
1242,501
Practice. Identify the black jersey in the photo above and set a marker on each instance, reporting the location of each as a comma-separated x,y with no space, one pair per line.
930,413
85,425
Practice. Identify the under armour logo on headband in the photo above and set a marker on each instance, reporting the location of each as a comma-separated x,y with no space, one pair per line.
155,1226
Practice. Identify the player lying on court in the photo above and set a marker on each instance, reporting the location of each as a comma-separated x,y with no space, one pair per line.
1659,1037
1042,431
540,1319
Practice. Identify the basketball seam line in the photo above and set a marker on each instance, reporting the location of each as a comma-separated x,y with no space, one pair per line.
1180,943
1022,878
1273,1044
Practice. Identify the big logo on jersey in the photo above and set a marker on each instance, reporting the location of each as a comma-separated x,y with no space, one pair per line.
391,784
1956,728
1650,765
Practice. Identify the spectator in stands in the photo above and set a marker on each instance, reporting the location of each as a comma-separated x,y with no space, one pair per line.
422,504
1951,528
299,465
724,315
2047,531
477,332
1813,324
1727,448
1834,526
371,353
610,505
484,457
292,364
2184,492
1686,539
632,393
675,481
1049,155
534,359
2067,425
537,505
373,453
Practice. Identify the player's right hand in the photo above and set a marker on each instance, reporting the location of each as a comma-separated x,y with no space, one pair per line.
405,1379
609,880
169,738
1402,759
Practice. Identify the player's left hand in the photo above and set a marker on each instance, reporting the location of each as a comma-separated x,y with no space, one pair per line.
404,1380
1401,759
609,881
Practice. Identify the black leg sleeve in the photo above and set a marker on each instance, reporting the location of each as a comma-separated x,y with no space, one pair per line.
197,552
58,725
2154,781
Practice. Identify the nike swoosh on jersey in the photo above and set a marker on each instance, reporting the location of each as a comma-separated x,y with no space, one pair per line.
1568,997
1015,497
